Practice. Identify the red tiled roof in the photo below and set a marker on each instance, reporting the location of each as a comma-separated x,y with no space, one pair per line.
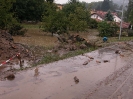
124,25
101,13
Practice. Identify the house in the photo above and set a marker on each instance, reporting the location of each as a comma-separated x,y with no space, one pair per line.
59,6
116,18
100,15
125,25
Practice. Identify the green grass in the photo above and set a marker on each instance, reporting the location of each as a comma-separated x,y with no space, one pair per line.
116,39
48,57
31,26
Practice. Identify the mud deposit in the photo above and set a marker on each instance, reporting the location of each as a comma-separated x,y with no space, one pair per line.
106,75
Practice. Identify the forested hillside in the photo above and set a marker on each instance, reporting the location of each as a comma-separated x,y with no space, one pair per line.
119,2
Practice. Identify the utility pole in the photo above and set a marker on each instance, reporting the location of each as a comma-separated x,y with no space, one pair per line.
121,19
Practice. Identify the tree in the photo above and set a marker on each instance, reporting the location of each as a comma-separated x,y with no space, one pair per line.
7,19
105,5
109,16
55,23
29,9
74,16
77,15
78,20
131,16
130,11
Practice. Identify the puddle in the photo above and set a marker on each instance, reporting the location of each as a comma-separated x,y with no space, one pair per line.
56,80
15,65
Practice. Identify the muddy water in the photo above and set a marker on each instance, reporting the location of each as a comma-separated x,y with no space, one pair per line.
56,80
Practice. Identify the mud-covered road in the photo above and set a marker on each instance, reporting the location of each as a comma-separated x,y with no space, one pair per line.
107,76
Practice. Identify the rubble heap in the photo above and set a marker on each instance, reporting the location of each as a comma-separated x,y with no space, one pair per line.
71,43
8,48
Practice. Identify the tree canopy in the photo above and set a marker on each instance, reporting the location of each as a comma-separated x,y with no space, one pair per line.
6,17
130,11
31,10
73,17
109,16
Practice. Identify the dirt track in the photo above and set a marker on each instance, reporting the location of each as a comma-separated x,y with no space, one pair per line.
107,76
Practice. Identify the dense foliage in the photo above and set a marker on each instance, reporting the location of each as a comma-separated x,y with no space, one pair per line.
73,17
107,29
130,11
109,16
7,19
30,10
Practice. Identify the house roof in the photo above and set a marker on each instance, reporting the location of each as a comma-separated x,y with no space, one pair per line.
125,25
101,13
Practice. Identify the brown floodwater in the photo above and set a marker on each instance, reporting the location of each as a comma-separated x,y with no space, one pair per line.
56,80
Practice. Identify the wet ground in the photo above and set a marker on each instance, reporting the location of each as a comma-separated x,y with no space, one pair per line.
101,74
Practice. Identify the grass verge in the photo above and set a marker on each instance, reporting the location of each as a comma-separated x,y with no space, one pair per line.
49,57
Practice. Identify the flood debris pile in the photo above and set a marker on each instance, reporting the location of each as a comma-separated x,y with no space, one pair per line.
71,43
8,48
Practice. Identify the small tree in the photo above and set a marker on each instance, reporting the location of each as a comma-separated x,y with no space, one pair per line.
109,16
55,22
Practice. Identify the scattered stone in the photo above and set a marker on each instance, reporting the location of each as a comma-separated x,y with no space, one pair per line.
10,77
85,63
76,79
98,61
121,55
83,46
105,61
117,51
7,45
90,57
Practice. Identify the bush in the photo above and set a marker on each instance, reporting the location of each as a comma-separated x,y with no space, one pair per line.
130,32
16,29
93,24
107,29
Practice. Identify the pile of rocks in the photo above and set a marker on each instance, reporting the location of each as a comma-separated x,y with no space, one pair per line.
71,43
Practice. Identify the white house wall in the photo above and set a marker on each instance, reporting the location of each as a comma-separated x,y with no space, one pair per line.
117,19
95,16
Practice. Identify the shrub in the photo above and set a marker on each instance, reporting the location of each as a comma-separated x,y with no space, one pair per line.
130,32
107,29
93,24
16,29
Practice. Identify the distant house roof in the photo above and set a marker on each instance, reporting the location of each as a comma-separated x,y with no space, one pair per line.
101,13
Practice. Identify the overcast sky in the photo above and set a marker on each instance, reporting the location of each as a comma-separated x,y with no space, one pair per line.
65,1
